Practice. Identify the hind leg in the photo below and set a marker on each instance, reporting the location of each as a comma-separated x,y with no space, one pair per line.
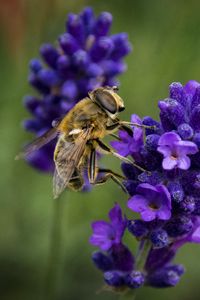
93,172
109,174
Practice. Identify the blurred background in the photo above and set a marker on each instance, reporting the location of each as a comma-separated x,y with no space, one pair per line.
166,39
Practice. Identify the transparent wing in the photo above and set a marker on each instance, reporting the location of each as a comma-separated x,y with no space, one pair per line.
67,158
38,143
58,184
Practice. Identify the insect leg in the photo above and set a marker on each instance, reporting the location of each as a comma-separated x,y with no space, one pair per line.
105,170
113,127
92,167
93,171
118,125
114,176
115,136
105,149
121,123
126,126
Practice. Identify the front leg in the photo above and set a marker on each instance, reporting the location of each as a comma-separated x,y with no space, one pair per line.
107,150
123,125
116,126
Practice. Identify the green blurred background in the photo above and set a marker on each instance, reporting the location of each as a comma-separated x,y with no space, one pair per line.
166,39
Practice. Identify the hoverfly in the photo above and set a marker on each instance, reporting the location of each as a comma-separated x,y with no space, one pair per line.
80,135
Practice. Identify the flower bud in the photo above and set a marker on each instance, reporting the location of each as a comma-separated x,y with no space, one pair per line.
135,279
159,238
166,277
102,261
114,278
138,228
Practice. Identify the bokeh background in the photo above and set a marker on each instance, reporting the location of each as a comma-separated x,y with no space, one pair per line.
166,39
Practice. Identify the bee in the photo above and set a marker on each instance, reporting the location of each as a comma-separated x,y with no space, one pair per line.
80,135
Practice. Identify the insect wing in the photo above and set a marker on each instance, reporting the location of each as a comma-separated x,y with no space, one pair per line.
58,184
67,158
38,143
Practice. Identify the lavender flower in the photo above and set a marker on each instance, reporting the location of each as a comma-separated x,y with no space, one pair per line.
175,151
105,234
167,197
86,57
151,202
130,145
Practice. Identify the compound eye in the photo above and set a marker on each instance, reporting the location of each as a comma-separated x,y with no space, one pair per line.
107,101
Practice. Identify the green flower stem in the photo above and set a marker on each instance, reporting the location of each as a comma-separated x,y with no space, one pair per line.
143,252
54,260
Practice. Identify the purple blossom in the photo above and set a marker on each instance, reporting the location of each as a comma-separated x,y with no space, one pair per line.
175,151
130,145
105,234
118,259
151,202
86,57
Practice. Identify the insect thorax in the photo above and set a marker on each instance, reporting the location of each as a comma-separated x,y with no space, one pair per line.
85,114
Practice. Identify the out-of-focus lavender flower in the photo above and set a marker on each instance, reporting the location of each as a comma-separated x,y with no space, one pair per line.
86,57
167,195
